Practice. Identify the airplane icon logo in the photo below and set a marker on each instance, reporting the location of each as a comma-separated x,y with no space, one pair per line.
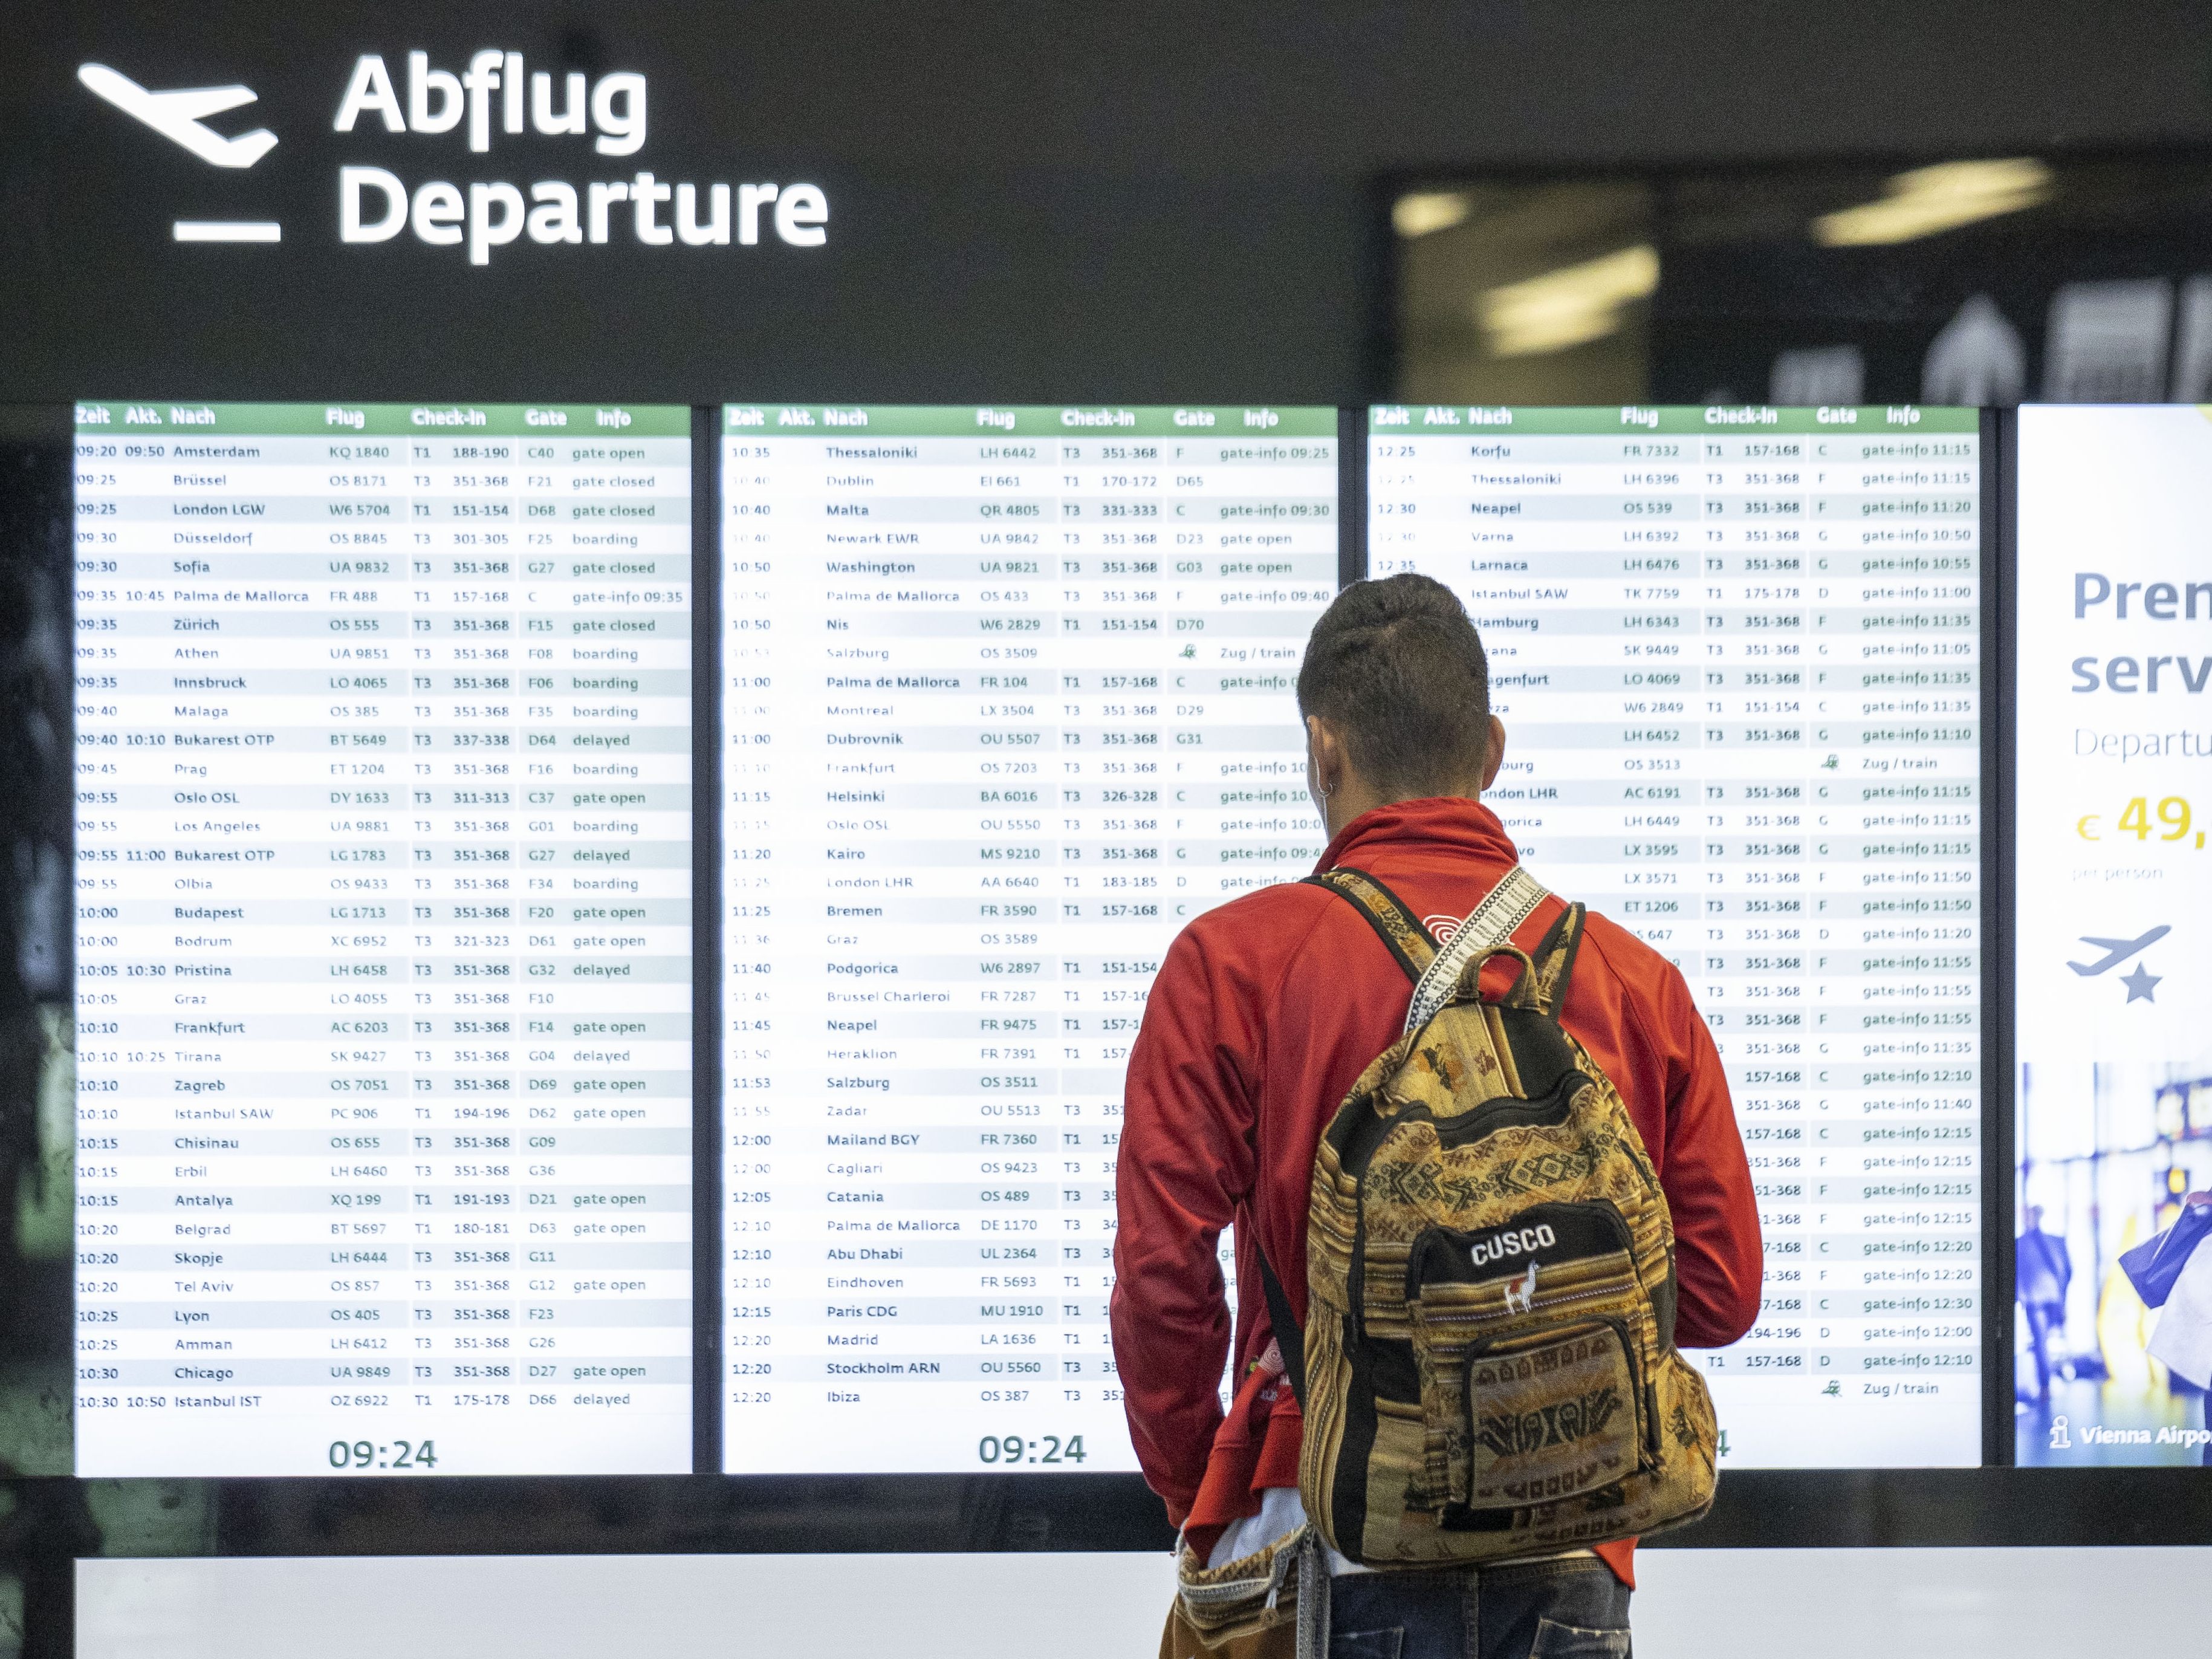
2116,951
177,115
2141,983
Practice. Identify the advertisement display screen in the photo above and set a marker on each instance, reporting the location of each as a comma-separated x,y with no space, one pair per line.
1007,698
1737,652
2112,954
383,939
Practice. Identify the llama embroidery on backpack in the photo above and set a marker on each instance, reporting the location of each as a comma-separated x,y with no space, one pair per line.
1521,1296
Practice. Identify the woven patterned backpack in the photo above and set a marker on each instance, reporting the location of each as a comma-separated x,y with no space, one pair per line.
1487,1367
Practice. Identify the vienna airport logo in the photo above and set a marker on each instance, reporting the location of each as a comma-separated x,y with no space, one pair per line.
180,117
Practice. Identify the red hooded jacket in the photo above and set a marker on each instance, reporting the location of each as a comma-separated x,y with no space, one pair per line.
1265,1012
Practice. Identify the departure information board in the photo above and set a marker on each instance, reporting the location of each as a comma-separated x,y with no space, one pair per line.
384,752
1007,698
1737,654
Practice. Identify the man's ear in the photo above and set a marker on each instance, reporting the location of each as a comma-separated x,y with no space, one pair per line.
1495,757
1325,752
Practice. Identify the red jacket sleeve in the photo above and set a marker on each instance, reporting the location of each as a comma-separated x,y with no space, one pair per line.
1719,1261
1186,1158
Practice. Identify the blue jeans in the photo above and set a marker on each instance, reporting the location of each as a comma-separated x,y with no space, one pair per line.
1564,1610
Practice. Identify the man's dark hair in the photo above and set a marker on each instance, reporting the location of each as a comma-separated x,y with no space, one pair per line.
1396,666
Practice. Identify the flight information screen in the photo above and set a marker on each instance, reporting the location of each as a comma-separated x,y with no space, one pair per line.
383,944
1007,698
1737,654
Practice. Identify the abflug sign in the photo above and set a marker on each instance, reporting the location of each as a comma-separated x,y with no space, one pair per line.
497,96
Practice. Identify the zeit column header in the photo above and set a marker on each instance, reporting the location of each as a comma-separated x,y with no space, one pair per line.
390,419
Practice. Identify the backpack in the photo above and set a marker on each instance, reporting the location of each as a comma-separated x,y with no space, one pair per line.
1487,1369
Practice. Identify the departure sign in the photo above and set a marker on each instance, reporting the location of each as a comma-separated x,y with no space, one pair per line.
1007,698
383,948
1737,652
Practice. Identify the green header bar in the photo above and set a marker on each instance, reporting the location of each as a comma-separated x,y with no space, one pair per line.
1628,419
389,420
1028,421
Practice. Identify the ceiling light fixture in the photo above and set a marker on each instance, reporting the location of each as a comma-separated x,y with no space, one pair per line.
1425,211
1567,307
1928,200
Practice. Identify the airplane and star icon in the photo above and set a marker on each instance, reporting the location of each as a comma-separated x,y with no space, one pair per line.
2141,982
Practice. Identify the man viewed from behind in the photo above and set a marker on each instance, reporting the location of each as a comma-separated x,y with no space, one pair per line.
1265,1013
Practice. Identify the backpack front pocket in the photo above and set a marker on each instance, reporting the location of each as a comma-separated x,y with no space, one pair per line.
1551,1413
1525,1339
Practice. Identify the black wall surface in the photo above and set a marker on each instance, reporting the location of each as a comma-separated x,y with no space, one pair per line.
1140,202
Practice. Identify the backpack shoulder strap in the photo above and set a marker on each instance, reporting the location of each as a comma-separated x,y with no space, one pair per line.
1386,913
1487,929
1435,972
1555,958
1290,1336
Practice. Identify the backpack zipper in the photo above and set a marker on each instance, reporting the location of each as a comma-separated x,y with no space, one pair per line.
1544,1304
